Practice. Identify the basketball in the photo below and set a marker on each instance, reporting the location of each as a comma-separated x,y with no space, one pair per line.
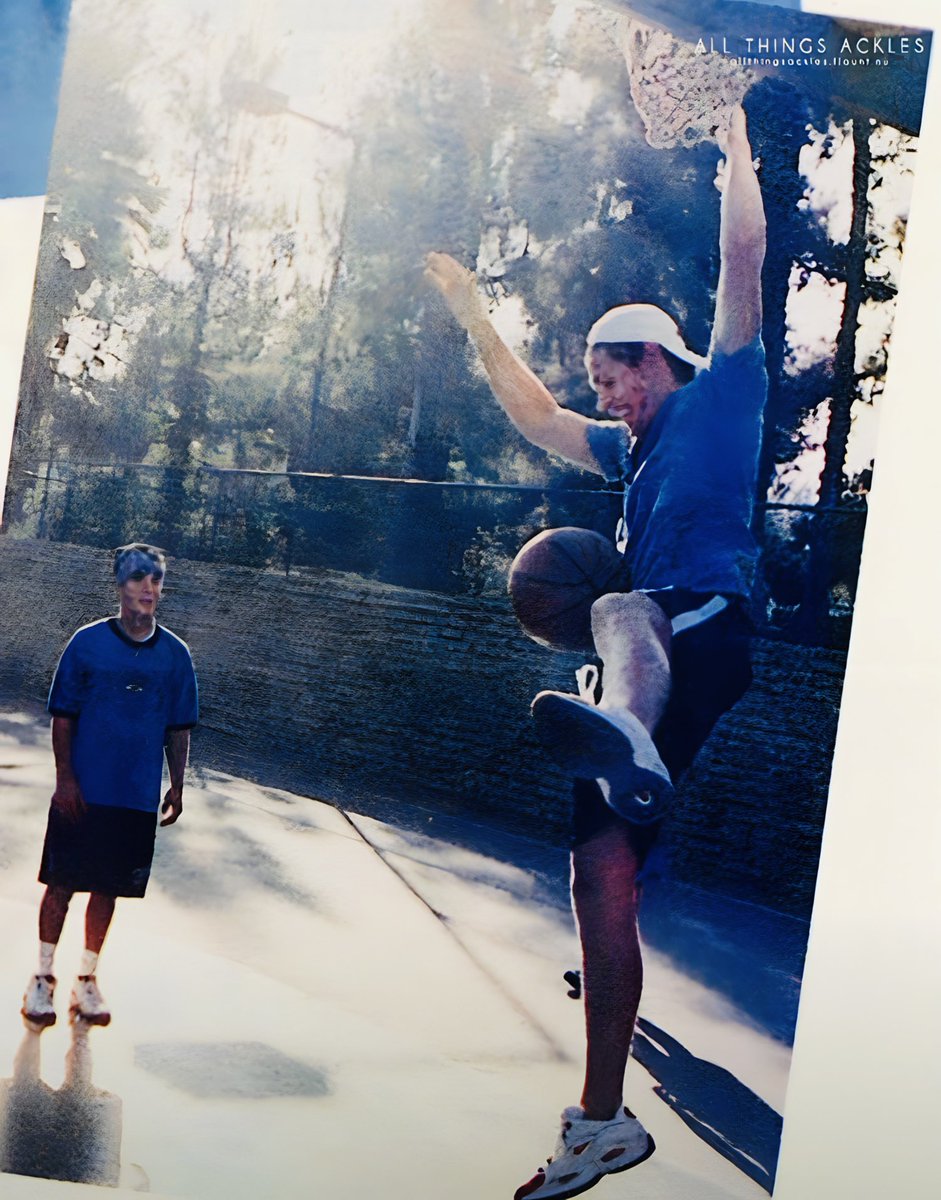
555,579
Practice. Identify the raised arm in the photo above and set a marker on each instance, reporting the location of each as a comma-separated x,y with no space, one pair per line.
524,399
741,244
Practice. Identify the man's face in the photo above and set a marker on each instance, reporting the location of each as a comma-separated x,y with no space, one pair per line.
140,592
624,390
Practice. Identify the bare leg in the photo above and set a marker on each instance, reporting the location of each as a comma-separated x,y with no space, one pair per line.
52,912
604,892
98,916
632,638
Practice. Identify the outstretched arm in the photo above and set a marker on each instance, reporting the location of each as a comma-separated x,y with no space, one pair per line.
524,399
741,244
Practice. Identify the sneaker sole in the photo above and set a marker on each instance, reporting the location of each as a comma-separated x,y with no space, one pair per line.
76,1014
583,1187
584,743
40,1020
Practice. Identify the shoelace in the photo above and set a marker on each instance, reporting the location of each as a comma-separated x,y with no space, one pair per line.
587,679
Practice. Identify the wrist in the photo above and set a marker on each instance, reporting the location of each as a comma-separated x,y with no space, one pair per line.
482,333
740,158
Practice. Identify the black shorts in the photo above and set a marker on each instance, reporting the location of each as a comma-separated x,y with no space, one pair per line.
710,668
108,850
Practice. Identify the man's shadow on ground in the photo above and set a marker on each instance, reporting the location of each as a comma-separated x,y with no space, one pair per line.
70,1133
715,1105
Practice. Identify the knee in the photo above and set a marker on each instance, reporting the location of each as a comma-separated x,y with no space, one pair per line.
59,897
629,612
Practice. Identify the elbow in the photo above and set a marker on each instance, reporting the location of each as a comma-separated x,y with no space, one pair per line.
535,427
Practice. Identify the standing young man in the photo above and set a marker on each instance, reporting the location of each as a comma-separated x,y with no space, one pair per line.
672,634
124,694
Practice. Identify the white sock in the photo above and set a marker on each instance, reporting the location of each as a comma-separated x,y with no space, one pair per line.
89,962
47,952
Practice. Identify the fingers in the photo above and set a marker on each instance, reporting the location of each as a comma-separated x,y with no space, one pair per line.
172,806
457,287
70,804
444,271
435,263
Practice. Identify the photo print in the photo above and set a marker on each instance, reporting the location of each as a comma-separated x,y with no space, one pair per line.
293,265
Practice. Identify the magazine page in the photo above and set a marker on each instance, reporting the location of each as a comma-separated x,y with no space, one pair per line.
482,404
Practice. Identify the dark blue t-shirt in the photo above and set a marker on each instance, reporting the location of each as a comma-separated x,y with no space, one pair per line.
125,695
690,482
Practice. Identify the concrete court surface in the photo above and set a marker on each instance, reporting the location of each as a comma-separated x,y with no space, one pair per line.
314,1003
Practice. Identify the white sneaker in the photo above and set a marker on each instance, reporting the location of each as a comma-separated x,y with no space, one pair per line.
608,745
88,1003
587,1151
38,1007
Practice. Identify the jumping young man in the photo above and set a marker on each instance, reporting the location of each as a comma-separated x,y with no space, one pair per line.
124,695
672,632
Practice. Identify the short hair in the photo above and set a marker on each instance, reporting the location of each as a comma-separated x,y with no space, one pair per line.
122,552
631,353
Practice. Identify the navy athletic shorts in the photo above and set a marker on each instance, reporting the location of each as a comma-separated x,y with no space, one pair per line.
710,666
108,850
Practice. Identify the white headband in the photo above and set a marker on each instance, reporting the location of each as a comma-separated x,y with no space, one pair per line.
643,323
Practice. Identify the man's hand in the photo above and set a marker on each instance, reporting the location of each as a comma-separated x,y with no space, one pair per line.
172,805
734,144
458,286
67,798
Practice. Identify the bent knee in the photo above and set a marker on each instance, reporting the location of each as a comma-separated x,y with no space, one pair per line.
631,610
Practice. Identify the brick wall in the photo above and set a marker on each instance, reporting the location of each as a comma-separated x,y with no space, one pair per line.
368,696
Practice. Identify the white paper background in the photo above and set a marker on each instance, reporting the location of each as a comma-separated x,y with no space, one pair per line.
865,1085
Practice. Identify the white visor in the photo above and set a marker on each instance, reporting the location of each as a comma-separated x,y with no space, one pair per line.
643,323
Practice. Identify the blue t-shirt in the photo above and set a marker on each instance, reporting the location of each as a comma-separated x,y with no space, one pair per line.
690,481
125,696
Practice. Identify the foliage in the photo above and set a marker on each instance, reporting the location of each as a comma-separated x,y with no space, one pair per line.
225,283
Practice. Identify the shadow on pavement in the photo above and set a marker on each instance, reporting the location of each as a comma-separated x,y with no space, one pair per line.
752,955
231,1070
73,1133
199,878
26,729
715,1105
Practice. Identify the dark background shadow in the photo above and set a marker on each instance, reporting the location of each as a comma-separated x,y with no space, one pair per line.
715,1105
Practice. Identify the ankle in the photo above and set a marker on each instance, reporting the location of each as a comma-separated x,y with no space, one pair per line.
47,952
601,1112
88,964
